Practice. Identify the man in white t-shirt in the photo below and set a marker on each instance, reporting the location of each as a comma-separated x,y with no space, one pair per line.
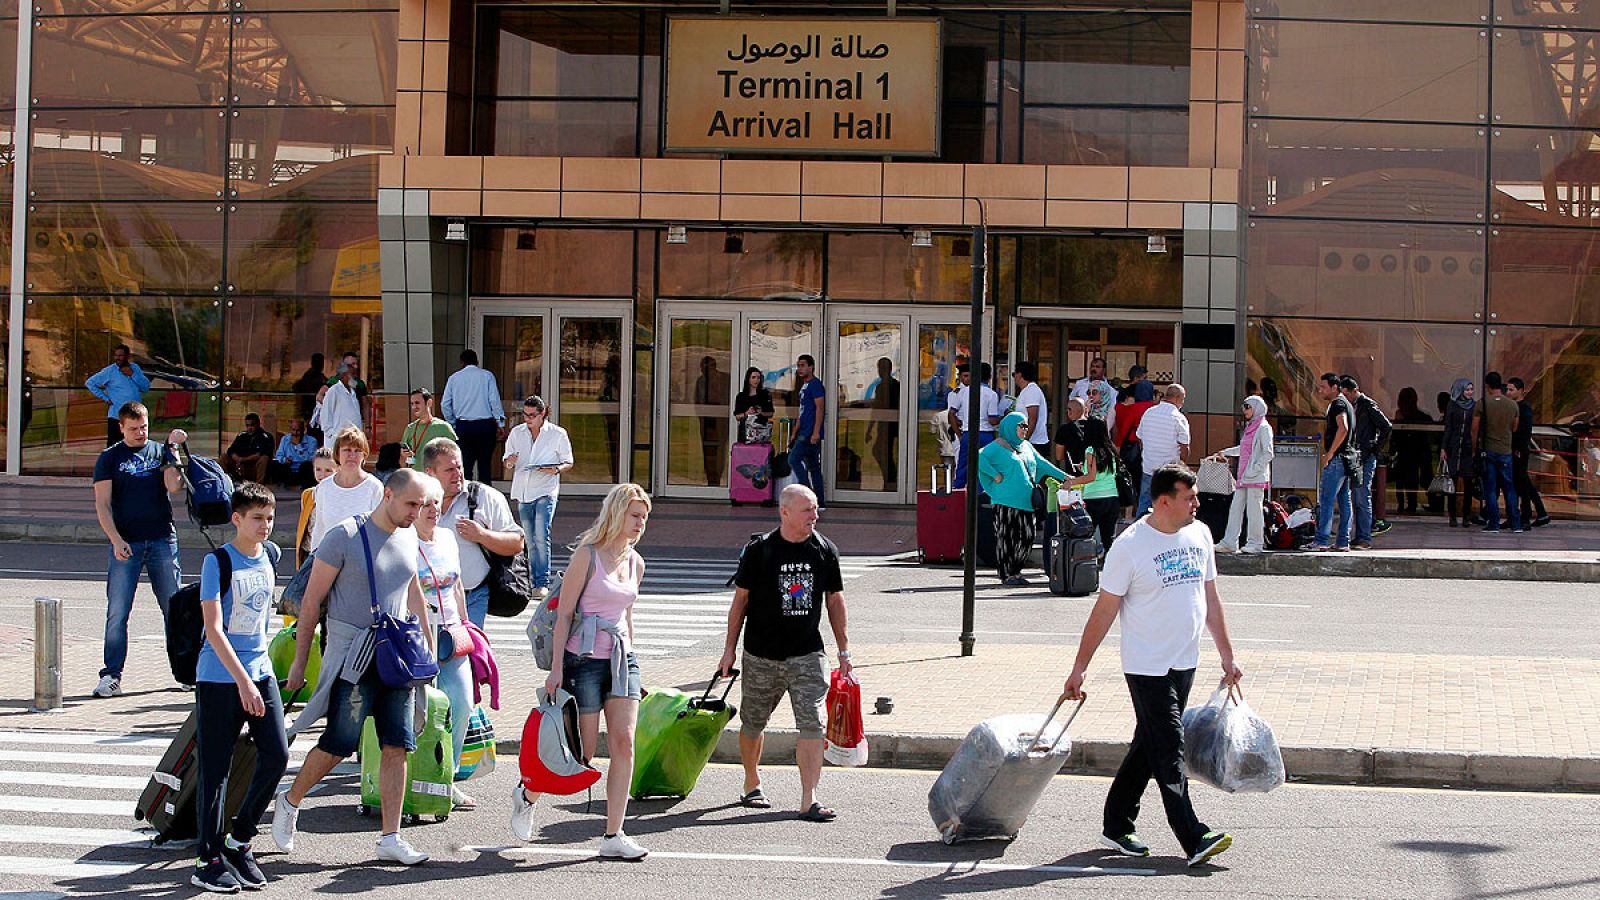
1097,393
1031,403
480,517
537,451
956,412
1160,575
1163,434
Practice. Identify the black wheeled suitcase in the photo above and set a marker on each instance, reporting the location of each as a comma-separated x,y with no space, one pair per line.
1214,512
1074,566
987,555
168,801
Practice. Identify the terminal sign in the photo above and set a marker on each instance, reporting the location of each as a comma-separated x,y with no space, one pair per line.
834,85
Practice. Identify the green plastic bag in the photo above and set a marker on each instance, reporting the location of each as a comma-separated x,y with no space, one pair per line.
675,738
281,654
430,770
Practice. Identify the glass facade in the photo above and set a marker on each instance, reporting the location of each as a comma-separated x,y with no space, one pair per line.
1422,204
202,188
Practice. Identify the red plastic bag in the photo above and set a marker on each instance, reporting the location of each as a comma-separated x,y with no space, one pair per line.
846,743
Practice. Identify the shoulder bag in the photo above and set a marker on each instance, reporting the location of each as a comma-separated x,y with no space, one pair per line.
510,587
399,649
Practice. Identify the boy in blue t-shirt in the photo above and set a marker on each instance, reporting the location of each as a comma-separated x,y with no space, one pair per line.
235,686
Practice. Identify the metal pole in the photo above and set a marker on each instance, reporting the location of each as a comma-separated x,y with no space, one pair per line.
969,559
46,654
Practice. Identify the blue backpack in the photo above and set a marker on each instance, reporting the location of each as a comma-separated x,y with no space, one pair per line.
210,491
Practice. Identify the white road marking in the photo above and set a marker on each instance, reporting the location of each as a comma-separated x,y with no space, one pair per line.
72,780
961,867
1230,604
73,837
83,738
64,806
65,868
64,758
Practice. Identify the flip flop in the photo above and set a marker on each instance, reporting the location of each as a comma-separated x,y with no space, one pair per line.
755,800
462,803
818,813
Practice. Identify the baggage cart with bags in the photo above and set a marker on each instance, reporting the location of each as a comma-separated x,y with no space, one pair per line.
750,475
998,774
941,520
676,735
430,770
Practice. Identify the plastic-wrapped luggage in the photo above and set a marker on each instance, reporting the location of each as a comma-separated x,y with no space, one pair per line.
677,733
998,774
1229,747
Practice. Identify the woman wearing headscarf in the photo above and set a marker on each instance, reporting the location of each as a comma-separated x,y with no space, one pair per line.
1455,456
1413,467
1255,477
1008,470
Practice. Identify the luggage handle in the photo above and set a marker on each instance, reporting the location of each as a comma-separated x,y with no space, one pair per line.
732,675
1038,741
949,479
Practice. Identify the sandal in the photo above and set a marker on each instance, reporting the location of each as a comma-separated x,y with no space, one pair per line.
755,800
460,802
818,813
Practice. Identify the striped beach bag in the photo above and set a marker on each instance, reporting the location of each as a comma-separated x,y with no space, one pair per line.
477,750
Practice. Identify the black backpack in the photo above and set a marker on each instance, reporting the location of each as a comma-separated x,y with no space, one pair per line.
186,626
510,585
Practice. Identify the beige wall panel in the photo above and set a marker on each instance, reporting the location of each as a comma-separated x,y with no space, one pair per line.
1230,136
1231,25
1085,214
457,172
1202,134
1225,186
1155,215
693,176
407,122
599,205
432,141
761,176
455,203
922,211
754,208
391,171
1230,75
842,210
1203,25
1162,183
1012,182
411,15
530,204
1203,75
1014,213
842,179
923,179
599,174
1086,182
436,65
436,21
680,207
522,173
408,66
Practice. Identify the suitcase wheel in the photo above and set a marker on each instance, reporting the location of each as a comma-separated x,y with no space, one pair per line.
441,818
408,819
363,810
921,557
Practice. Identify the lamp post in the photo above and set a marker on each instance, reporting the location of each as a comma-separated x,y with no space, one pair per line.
969,558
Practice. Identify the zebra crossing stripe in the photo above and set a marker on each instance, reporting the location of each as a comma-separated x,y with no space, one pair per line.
82,738
73,837
74,780
65,868
63,758
63,806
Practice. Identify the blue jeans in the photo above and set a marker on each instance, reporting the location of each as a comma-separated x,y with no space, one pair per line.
478,604
985,438
805,458
1144,495
455,680
1497,476
1361,499
160,560
536,516
1335,489
349,706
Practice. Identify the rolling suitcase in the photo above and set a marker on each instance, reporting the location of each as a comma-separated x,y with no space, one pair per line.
750,476
430,770
677,733
941,520
1074,566
997,776
987,554
168,801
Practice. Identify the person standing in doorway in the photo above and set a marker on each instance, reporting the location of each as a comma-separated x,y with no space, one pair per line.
1455,453
471,404
120,383
1125,437
1340,465
422,428
1163,436
132,481
538,452
1521,453
1096,392
884,433
1144,391
711,400
1161,578
480,517
753,409
1371,433
784,581
1496,429
340,404
805,450
1413,465
988,417
1032,405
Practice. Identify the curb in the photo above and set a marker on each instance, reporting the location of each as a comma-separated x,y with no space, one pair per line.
1361,565
1317,765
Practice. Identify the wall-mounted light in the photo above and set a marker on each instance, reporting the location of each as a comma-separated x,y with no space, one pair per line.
733,243
921,237
528,239
1155,243
677,234
455,230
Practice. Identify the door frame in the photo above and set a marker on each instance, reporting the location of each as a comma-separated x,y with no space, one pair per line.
741,314
1096,314
554,310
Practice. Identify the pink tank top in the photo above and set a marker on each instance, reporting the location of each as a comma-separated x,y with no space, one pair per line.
606,597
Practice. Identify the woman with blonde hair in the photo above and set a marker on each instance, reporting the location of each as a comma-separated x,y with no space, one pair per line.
598,667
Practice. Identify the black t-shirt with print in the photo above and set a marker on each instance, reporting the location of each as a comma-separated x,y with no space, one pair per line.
788,585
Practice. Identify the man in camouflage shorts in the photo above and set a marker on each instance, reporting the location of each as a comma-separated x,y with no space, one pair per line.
784,580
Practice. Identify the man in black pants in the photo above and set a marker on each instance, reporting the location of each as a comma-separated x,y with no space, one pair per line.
1160,575
1521,448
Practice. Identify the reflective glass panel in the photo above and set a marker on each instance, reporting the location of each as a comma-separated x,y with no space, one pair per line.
127,154
940,348
1471,12
176,341
1362,170
1386,357
1365,271
1548,13
304,248
122,61
122,248
969,133
67,428
750,264
513,349
308,153
1560,366
8,63
562,53
316,59
699,405
591,387
270,340
869,368
972,56
1547,276
1545,77
1091,271
1366,71
1106,58
1545,176
775,344
1105,137
886,267
571,262
567,128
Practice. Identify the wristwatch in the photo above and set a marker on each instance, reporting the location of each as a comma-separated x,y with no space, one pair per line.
844,654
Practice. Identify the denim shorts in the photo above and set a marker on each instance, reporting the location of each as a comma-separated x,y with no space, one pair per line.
589,680
349,705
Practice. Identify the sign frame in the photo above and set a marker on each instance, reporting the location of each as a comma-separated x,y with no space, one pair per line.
937,113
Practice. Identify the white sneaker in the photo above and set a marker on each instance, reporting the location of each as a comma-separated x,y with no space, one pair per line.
285,816
620,846
541,594
109,686
1227,548
394,848
1252,551
521,815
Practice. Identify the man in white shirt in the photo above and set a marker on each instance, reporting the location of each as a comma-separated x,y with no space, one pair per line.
989,416
480,517
538,451
471,404
1031,403
1164,438
1161,576
1097,393
340,406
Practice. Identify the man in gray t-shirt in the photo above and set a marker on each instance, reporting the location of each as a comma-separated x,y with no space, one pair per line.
350,690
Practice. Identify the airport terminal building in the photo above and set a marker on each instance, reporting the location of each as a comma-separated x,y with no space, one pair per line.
624,206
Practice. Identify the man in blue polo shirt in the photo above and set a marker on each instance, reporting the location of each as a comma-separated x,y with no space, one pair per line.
805,451
121,382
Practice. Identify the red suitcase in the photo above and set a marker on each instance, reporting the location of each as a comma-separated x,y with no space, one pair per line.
941,520
750,476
